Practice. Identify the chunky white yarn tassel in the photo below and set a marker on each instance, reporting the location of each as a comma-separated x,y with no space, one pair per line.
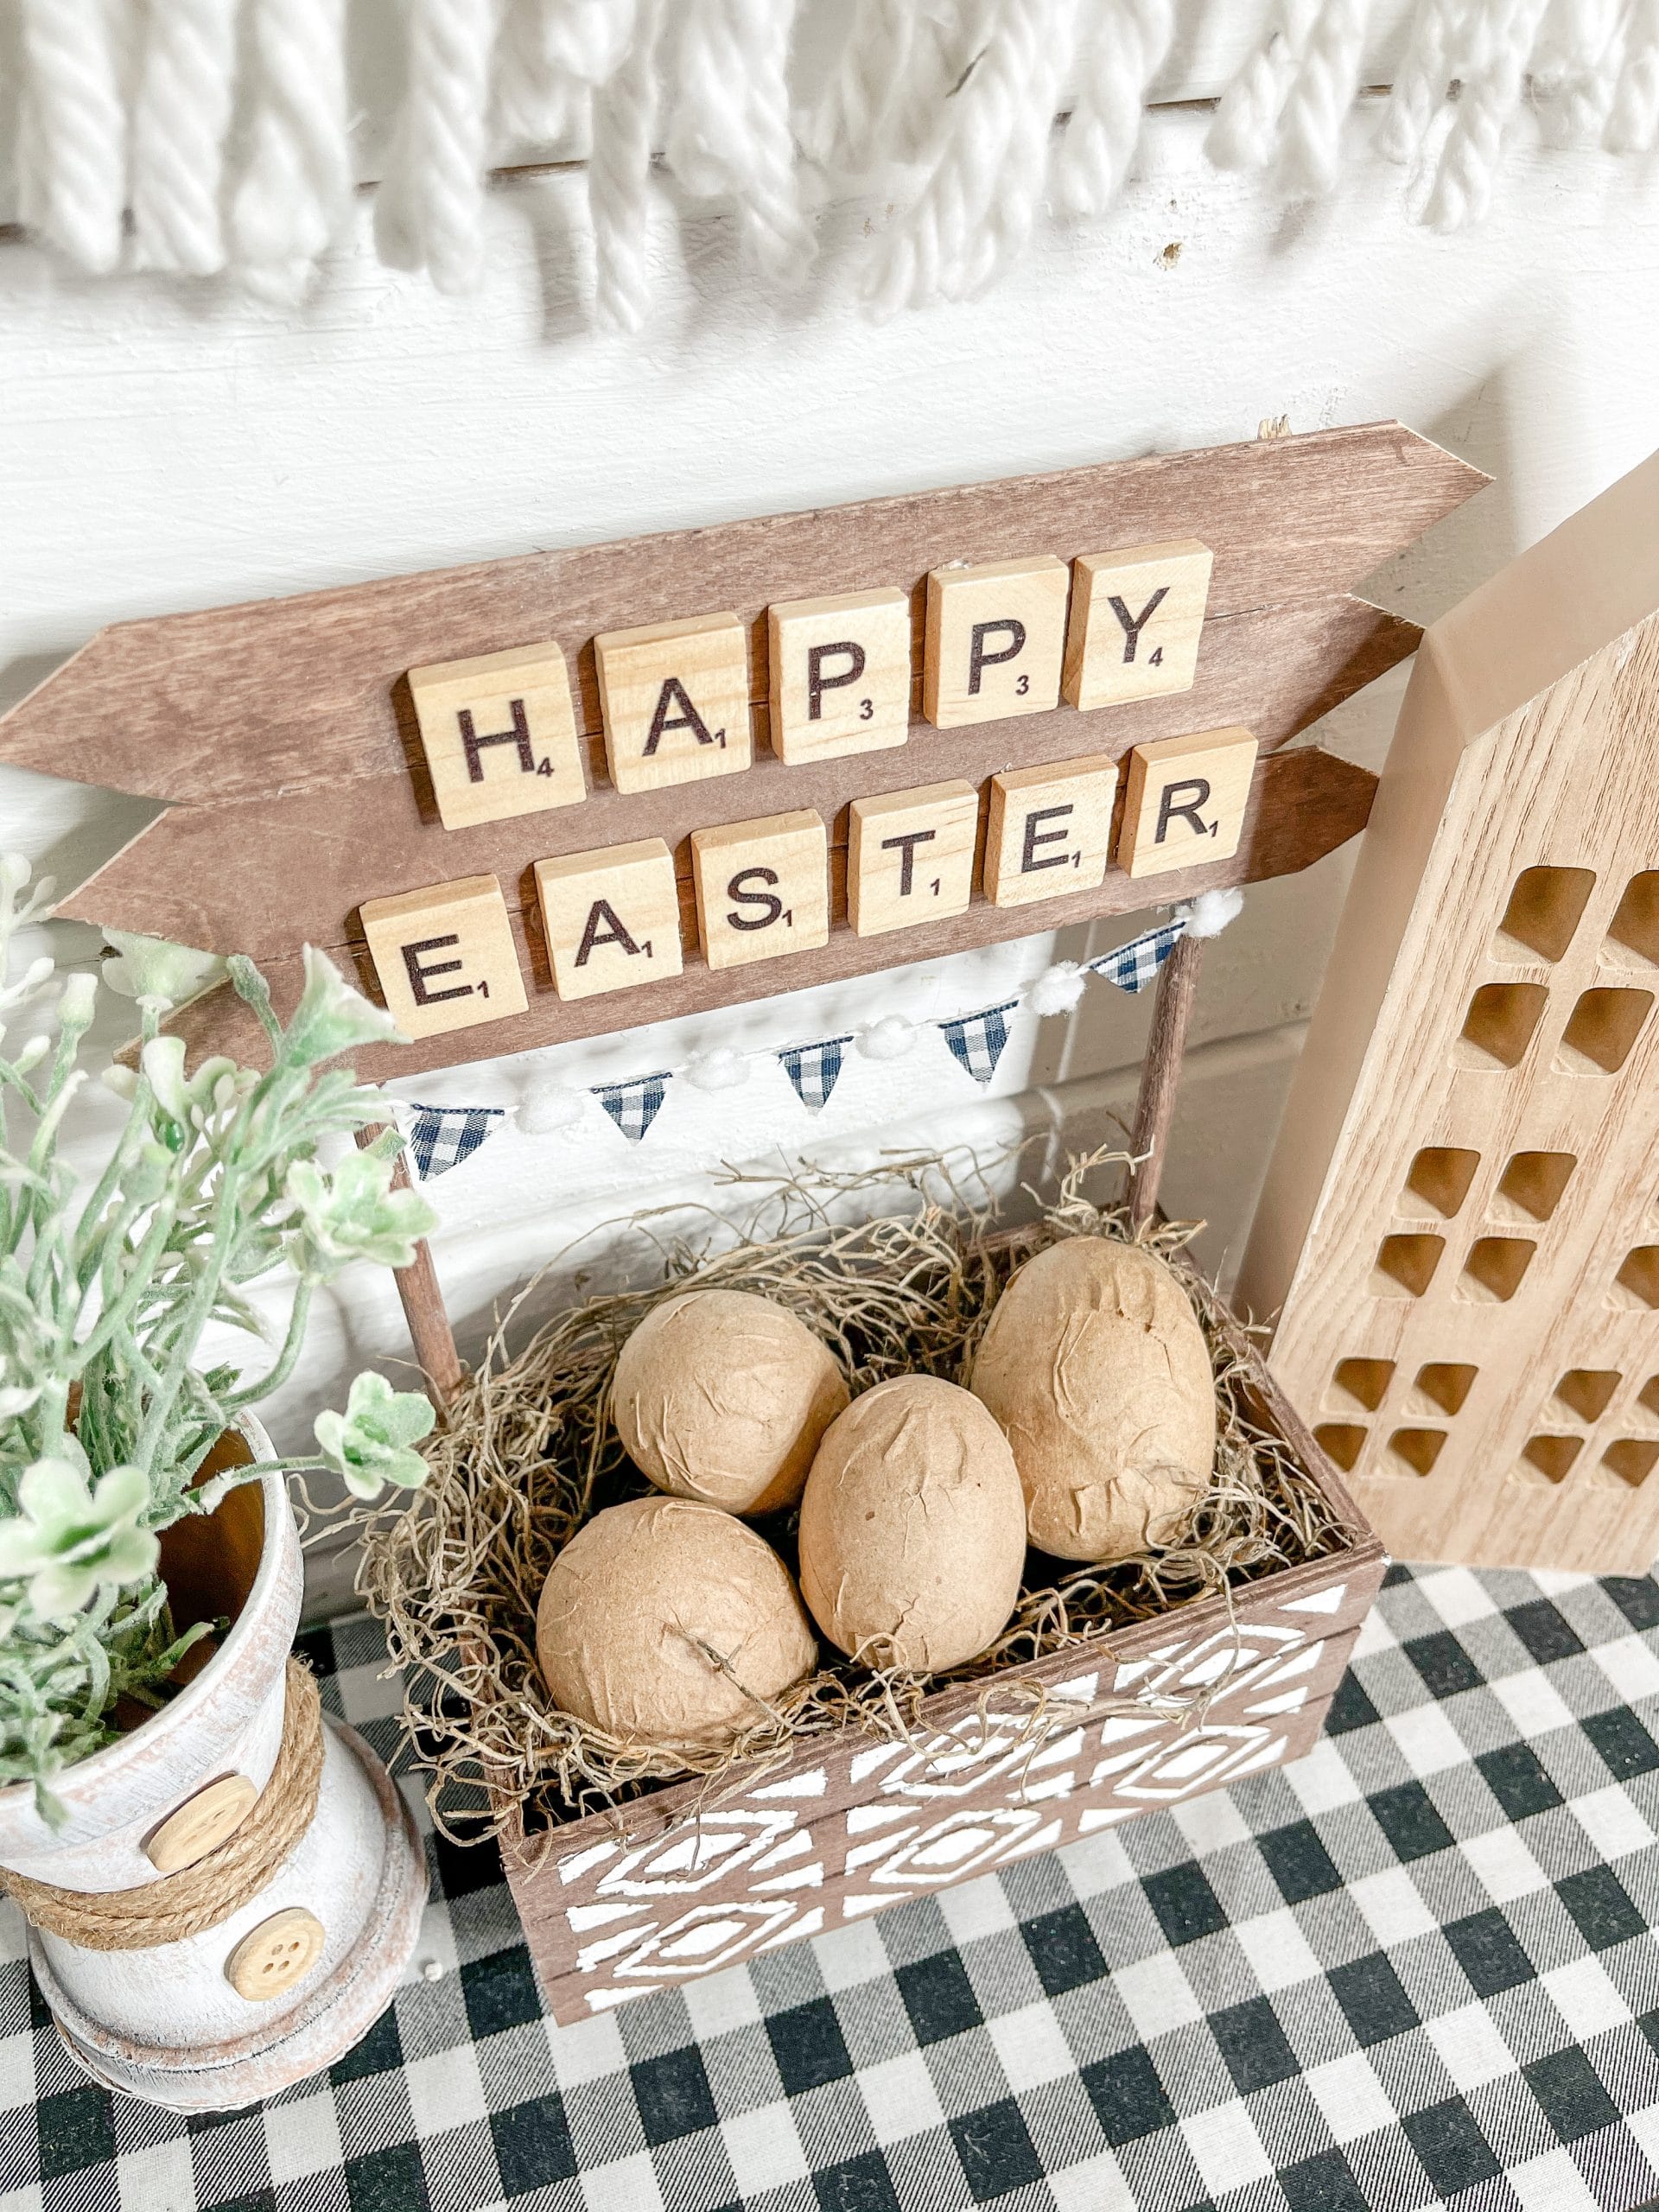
1245,133
1503,31
71,165
1320,98
1121,55
900,61
548,56
296,187
1421,79
619,178
1575,69
180,117
1633,124
729,137
429,212
978,204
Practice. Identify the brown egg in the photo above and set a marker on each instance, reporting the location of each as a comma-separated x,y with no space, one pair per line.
722,1397
913,1527
643,1604
1096,1367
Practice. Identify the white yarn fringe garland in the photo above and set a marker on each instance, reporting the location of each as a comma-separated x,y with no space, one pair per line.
204,137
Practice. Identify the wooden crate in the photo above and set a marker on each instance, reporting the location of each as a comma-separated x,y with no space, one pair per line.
616,1906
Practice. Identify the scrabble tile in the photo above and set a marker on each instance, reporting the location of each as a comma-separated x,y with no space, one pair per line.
676,701
763,887
1184,800
499,734
612,919
839,674
445,956
910,856
1049,830
996,640
1137,618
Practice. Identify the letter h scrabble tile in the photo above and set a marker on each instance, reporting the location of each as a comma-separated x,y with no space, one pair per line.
445,956
499,734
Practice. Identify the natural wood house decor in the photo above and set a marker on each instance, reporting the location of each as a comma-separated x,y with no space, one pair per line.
1461,1220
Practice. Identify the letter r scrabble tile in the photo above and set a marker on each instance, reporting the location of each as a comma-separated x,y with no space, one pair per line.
445,956
1137,620
1184,799
996,640
763,887
839,674
499,734
1049,830
612,919
676,701
910,856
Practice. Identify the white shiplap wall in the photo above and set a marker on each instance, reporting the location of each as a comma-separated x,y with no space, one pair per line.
166,448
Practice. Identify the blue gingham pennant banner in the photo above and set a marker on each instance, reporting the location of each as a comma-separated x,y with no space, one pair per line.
634,1106
1133,965
978,1039
441,1137
815,1068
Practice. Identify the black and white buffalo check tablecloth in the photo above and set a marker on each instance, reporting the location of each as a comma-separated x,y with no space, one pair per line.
1417,1968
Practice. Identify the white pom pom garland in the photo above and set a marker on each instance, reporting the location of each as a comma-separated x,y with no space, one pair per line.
889,1039
1057,989
718,1069
550,1108
1210,912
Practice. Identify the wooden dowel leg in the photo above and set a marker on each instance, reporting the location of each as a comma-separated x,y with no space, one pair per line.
423,1307
1161,1075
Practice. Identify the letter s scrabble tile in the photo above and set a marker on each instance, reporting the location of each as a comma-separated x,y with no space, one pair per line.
910,856
676,701
763,887
1184,799
839,674
445,956
612,919
499,734
1137,620
1049,830
995,639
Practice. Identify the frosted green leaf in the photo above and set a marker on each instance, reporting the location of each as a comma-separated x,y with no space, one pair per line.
369,1443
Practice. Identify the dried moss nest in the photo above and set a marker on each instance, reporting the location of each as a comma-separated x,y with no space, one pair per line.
528,1453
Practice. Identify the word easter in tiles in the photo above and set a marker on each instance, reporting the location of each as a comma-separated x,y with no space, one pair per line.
502,737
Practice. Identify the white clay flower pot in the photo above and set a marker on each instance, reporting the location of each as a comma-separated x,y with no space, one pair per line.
295,1975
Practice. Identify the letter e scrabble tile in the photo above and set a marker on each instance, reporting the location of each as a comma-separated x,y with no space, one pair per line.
839,674
763,887
499,735
445,956
1184,800
1049,830
996,640
612,919
910,856
1137,620
676,701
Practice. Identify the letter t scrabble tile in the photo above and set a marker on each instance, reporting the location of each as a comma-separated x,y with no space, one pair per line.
910,856
612,919
499,735
1184,799
445,956
763,887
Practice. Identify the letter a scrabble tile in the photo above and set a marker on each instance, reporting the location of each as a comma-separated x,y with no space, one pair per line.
1049,830
839,674
1137,618
910,857
499,735
996,640
676,701
763,887
445,956
612,919
1183,801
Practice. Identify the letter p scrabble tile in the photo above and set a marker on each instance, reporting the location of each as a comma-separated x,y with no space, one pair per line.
1185,800
612,919
1137,620
995,639
763,887
445,956
676,701
910,856
839,674
1049,830
499,735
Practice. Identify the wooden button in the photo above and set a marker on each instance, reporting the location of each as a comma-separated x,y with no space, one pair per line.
201,1823
273,1956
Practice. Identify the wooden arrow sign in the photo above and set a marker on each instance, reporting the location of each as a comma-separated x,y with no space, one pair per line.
285,738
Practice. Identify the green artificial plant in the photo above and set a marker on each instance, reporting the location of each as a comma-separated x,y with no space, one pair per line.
105,1416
